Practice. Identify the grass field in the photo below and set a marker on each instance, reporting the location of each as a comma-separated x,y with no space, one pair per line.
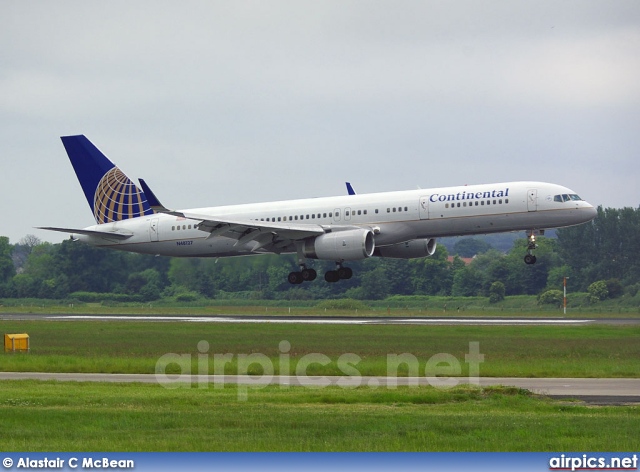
509,351
70,416
51,416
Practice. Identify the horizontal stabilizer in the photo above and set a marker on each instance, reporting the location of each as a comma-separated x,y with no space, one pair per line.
88,232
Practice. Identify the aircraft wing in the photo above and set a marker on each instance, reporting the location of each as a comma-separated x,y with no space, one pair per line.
266,234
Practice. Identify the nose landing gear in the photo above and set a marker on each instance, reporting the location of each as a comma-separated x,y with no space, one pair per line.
530,258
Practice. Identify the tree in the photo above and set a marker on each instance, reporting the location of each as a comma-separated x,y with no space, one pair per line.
530,279
496,292
467,282
145,283
431,275
606,248
7,269
469,247
375,285
23,249
556,275
598,291
551,297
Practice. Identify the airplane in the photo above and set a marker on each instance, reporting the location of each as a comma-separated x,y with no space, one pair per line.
401,224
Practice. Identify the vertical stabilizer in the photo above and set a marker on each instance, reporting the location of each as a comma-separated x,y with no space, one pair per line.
111,195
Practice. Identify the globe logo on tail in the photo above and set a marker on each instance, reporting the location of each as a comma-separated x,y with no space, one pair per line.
117,198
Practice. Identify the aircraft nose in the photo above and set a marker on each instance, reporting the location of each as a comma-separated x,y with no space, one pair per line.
590,212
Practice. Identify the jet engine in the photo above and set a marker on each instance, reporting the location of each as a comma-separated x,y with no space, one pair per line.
350,245
408,249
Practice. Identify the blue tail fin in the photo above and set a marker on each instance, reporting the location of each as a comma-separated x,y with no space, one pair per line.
111,195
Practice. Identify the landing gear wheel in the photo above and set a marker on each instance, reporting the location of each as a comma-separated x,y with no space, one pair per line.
530,259
295,278
345,273
308,275
331,276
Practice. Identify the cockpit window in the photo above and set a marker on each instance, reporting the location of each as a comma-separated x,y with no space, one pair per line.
566,198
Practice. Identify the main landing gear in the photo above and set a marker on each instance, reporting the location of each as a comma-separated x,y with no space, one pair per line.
340,273
530,258
307,275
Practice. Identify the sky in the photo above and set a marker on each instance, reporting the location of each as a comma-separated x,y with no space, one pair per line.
216,103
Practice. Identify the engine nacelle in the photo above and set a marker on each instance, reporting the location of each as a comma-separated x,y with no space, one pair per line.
409,249
351,245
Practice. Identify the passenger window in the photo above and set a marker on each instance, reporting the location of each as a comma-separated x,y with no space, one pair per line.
406,208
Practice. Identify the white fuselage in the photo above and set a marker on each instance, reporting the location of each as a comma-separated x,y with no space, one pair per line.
394,217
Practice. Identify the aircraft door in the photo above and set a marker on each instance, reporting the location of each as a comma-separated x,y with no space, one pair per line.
336,215
532,199
424,208
347,214
153,230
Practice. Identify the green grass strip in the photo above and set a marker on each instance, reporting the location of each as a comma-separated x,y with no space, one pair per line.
69,416
509,351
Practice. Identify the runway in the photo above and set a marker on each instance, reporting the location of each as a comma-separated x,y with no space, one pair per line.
350,320
600,391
